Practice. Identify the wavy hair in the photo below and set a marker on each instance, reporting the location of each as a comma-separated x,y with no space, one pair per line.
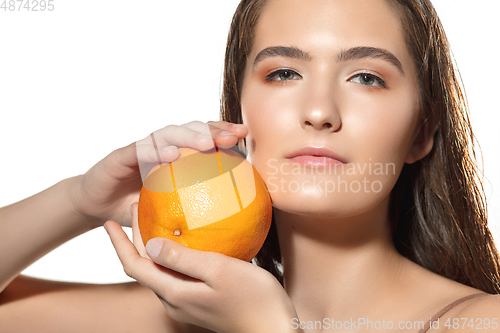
438,211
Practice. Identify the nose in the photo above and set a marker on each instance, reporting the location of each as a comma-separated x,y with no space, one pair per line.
320,109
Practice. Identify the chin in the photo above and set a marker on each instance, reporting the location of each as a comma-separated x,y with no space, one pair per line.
309,203
333,205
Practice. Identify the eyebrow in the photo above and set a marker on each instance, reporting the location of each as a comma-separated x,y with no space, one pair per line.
361,52
281,51
353,53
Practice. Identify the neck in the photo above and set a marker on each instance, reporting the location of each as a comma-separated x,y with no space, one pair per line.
333,264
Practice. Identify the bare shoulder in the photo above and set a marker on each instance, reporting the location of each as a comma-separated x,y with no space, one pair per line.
36,305
484,305
433,293
481,314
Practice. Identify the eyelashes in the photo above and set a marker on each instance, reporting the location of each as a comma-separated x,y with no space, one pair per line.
283,75
366,79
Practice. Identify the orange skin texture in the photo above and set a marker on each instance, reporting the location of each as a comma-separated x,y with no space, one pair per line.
240,235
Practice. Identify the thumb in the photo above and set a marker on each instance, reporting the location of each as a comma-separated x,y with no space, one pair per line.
201,265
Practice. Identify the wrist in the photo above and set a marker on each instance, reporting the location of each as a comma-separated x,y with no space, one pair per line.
74,193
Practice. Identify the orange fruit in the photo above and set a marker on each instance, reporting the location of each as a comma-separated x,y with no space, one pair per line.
210,201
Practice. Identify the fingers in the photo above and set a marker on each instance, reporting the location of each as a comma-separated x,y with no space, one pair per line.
220,132
201,265
172,287
136,233
161,144
144,270
133,264
217,127
194,134
223,133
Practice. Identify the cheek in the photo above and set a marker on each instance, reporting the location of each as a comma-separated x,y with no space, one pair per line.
382,129
268,113
260,102
380,141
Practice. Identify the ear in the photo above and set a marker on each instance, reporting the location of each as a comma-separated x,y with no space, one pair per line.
423,143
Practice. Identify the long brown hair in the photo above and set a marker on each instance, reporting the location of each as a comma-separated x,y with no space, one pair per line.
438,211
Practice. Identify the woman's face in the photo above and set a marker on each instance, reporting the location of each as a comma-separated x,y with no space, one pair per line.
334,74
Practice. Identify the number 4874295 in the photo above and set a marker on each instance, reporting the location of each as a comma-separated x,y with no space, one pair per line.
473,323
27,5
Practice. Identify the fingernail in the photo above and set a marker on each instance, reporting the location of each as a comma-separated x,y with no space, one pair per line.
239,125
153,247
169,147
105,228
204,136
226,133
131,209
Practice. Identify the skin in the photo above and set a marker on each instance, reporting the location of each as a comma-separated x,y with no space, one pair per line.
338,259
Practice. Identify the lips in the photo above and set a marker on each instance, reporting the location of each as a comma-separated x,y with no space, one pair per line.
321,152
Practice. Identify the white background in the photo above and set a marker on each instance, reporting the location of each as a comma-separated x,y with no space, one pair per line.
93,76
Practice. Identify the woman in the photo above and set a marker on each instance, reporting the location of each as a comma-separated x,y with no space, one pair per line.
387,227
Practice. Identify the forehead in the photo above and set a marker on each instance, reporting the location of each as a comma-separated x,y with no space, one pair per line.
323,27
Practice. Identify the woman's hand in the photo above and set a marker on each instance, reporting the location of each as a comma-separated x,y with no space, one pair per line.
108,189
207,289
